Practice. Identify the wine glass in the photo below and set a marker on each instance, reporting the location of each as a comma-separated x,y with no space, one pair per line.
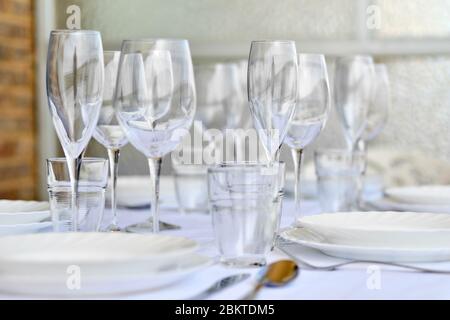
311,111
219,96
219,99
352,94
108,131
379,106
272,91
75,75
246,118
155,104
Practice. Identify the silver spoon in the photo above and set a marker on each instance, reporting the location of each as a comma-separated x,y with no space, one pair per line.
221,284
276,274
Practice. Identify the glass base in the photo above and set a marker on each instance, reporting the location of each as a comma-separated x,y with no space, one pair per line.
147,227
244,262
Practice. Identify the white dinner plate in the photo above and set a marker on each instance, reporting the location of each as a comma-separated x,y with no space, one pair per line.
428,195
17,218
24,228
106,282
23,206
18,212
385,229
387,204
381,254
92,251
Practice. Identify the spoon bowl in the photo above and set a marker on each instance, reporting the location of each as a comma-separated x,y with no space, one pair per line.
276,274
280,273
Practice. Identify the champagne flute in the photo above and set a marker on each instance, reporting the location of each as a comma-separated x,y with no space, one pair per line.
155,104
379,106
310,113
108,131
272,91
75,75
352,94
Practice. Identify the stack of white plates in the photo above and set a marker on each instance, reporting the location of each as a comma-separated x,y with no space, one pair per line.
17,217
376,236
80,264
418,199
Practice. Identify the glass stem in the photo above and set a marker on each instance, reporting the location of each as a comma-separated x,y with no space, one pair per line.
73,165
113,155
275,157
277,154
361,145
155,172
297,157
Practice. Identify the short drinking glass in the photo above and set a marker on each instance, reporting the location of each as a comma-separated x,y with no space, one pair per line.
339,178
191,188
91,193
244,202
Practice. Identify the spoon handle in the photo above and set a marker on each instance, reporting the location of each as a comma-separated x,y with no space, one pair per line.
252,294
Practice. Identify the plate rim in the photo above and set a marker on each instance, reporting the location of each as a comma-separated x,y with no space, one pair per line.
285,236
203,262
371,229
24,213
194,245
388,192
385,200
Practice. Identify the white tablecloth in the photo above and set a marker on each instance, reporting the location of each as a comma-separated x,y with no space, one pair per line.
349,283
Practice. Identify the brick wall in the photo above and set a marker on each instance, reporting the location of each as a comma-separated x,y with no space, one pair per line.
17,105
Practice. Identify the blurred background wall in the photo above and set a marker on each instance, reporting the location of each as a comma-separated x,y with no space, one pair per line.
411,36
18,138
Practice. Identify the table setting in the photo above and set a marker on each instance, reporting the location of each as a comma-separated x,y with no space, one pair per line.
230,221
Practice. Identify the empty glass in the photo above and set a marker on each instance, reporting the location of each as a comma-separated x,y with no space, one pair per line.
352,94
155,104
75,75
191,188
245,203
93,179
219,95
272,91
311,111
339,178
219,100
108,131
377,114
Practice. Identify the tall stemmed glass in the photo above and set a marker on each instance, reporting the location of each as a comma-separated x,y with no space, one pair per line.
353,93
74,88
108,131
219,98
379,106
219,95
311,111
246,118
272,91
155,103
